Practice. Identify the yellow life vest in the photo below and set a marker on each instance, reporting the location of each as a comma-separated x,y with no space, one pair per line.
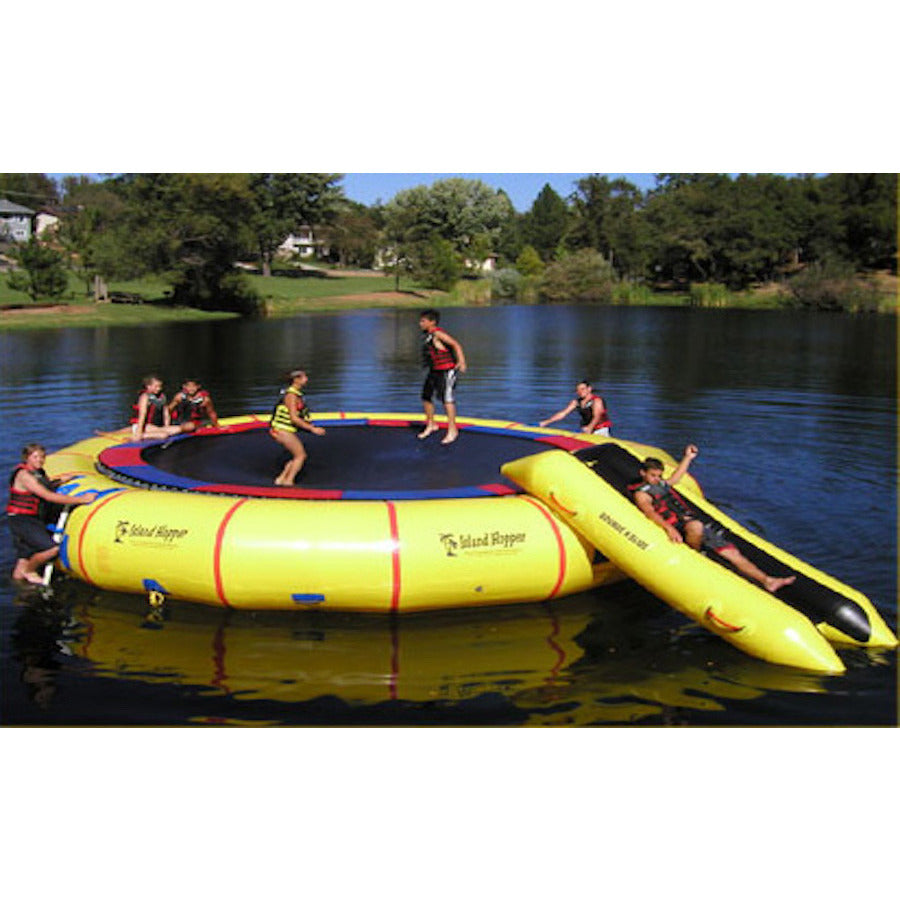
281,415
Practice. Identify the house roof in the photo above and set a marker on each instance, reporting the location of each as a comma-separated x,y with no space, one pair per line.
10,208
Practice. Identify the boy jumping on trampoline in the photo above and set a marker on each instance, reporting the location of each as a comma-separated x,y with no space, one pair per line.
445,358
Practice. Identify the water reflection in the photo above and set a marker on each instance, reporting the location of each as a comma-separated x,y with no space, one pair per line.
40,638
586,660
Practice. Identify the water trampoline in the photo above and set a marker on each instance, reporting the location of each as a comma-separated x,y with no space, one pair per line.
381,521
378,520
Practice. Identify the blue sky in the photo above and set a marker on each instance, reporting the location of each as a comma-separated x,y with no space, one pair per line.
521,187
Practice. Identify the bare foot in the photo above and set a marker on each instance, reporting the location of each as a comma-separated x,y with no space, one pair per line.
451,437
773,584
431,429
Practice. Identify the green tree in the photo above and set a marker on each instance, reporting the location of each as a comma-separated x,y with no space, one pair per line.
285,201
868,223
607,217
458,210
465,213
40,271
546,224
353,235
192,228
31,189
94,232
509,240
757,234
529,261
715,228
680,213
817,215
437,264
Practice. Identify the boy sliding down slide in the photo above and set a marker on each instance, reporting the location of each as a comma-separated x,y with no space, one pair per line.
662,504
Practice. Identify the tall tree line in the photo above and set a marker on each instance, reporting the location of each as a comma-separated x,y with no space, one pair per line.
715,228
688,228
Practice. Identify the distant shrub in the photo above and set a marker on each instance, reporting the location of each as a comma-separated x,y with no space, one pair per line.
506,285
833,285
212,290
626,293
708,294
41,271
437,265
471,292
580,277
529,261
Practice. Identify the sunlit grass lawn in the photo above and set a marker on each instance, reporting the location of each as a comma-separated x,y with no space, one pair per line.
282,295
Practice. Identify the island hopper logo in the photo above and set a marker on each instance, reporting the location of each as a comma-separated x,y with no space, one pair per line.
161,534
459,543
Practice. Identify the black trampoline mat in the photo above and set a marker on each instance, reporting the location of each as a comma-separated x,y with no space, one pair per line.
366,458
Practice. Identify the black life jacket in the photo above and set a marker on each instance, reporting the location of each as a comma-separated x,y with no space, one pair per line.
156,403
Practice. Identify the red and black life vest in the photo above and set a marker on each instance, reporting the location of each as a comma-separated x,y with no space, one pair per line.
673,508
586,411
156,403
438,359
24,503
190,409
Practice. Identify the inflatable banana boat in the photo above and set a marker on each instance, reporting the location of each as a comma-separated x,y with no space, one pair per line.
588,491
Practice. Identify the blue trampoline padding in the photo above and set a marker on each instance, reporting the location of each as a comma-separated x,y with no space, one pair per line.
357,458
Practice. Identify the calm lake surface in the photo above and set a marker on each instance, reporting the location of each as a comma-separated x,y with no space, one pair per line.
795,416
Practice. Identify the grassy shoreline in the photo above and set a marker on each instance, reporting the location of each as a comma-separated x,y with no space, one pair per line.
314,291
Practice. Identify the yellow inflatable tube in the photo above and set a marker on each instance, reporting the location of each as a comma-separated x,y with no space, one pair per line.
714,597
756,621
360,555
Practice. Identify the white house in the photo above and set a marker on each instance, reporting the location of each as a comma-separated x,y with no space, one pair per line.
303,244
15,221
46,220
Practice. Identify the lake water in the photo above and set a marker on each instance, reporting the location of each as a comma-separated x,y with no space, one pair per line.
795,416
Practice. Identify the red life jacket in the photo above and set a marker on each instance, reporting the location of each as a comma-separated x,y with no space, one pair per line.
190,409
586,411
22,503
440,360
673,508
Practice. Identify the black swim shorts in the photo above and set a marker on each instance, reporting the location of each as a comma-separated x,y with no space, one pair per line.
442,383
30,535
